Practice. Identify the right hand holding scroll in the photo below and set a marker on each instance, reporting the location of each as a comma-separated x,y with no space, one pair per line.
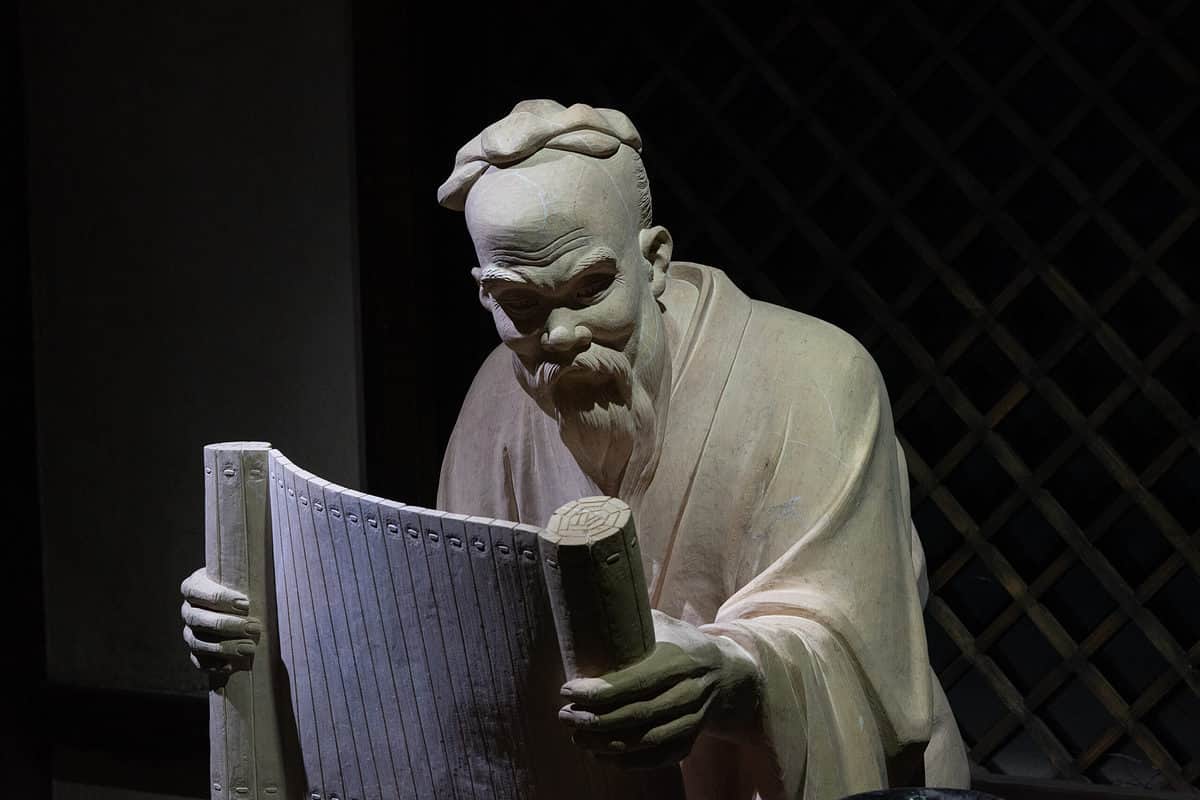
216,628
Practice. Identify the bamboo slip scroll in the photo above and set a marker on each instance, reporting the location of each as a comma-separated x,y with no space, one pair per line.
369,610
597,591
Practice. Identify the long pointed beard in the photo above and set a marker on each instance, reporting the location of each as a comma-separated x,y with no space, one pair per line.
602,409
603,438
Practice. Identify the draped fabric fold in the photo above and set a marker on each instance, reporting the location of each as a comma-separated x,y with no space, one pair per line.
819,729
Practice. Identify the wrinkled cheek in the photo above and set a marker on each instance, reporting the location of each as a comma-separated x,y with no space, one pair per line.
613,321
504,326
523,343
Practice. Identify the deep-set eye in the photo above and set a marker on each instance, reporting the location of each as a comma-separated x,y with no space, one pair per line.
517,302
594,285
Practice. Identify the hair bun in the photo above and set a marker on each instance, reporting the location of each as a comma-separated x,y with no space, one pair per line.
531,126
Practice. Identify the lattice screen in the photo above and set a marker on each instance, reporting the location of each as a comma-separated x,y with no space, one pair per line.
1000,200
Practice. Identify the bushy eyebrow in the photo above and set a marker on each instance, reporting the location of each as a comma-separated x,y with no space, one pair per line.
494,273
497,273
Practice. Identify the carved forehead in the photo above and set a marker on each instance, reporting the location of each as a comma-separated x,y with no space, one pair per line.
546,196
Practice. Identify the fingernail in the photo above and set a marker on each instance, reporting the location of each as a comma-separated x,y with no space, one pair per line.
241,604
245,649
572,714
252,628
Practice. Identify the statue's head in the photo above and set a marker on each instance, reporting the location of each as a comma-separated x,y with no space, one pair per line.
570,266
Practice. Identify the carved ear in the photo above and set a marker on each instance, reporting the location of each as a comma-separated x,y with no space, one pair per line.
656,248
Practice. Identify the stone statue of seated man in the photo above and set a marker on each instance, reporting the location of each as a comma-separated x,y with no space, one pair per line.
755,446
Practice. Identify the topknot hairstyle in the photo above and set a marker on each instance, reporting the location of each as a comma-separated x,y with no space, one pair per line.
535,125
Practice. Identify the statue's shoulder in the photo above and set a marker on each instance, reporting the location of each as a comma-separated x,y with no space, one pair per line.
795,328
494,394
496,368
814,351
804,331
798,348
778,331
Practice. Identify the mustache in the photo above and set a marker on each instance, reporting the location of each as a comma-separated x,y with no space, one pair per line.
599,363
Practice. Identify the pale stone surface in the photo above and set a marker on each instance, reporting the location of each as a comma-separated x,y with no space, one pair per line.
754,444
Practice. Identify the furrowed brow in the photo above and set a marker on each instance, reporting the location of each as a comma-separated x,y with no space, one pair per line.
547,254
590,260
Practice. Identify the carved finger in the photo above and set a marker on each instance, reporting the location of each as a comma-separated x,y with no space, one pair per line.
665,737
684,727
651,759
210,664
200,590
684,697
665,744
228,649
667,665
211,624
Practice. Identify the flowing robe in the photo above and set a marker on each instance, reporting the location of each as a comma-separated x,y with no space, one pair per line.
778,515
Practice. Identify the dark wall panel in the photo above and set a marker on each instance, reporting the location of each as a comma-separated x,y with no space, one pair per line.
193,273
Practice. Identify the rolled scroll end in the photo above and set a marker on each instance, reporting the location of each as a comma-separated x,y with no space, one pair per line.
589,519
596,586
248,760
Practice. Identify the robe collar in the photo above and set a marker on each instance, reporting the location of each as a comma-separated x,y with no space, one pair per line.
701,368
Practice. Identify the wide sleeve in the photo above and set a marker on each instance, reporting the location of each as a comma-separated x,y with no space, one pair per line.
831,612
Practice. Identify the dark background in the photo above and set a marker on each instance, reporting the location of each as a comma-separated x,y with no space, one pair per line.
999,199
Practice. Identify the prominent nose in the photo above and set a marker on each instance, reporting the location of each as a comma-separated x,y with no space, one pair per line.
565,337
